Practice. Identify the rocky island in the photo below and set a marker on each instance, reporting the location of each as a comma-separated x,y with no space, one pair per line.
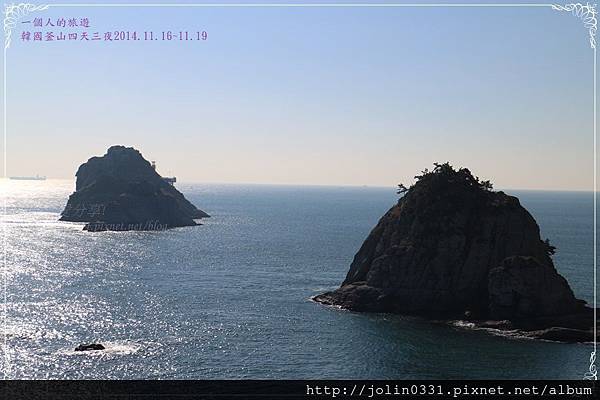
122,191
454,249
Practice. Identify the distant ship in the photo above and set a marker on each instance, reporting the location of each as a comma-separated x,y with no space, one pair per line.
28,178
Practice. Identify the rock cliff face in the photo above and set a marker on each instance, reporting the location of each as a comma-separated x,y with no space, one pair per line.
121,191
453,247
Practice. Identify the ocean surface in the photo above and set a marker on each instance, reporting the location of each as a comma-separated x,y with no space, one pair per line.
231,298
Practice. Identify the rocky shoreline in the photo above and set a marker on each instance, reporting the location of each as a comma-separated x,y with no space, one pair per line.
575,328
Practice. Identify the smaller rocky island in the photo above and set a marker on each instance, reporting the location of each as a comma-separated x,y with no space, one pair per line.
122,191
454,249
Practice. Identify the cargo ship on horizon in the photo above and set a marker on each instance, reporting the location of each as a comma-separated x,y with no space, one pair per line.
28,178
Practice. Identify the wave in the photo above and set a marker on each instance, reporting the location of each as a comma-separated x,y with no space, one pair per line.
505,333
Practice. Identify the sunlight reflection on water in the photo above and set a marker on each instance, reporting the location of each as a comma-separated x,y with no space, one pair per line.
229,299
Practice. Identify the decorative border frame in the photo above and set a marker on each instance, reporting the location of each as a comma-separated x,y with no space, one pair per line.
586,12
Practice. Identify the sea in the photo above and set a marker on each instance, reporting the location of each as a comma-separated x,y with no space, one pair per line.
232,298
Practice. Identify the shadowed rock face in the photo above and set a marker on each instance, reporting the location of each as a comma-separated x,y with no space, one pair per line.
450,246
121,191
522,287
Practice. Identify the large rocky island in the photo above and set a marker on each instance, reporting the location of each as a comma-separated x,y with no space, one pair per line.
122,191
452,248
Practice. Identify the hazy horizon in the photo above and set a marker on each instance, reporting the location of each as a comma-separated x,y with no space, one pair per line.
310,185
313,96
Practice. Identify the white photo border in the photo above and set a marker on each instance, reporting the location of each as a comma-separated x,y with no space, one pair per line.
15,11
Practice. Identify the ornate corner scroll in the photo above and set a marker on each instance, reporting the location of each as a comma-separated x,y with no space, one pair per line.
592,374
587,13
13,14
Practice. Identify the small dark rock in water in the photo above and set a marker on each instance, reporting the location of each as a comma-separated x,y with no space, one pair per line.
121,191
452,244
89,347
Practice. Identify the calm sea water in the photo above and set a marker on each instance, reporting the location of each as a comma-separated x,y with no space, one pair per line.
230,299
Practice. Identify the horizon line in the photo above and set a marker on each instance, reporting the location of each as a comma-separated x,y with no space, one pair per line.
336,185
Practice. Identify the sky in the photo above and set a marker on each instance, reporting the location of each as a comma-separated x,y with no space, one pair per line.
325,96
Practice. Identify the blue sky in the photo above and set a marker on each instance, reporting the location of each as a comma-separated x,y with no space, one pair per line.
352,96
